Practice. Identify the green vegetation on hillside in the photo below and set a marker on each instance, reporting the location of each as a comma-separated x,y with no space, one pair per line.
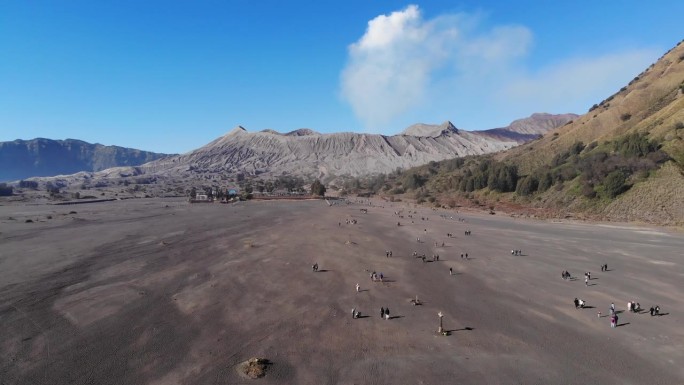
592,172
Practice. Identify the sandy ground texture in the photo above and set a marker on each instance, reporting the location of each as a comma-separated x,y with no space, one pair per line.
159,291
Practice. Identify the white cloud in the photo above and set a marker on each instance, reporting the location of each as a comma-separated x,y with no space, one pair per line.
574,80
454,67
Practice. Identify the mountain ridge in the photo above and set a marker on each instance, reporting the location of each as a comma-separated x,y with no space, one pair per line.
49,157
315,155
622,160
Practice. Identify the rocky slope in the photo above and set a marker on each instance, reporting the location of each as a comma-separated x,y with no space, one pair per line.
21,159
310,154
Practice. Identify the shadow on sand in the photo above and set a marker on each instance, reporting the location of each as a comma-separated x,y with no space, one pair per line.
622,324
467,328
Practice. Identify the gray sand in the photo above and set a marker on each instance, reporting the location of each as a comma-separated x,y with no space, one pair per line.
162,292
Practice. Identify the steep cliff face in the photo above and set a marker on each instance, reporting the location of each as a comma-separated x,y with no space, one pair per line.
45,157
308,153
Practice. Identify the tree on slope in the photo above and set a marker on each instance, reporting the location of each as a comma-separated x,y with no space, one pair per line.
317,188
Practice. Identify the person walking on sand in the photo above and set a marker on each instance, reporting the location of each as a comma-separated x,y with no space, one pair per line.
382,312
612,308
358,287
387,314
451,271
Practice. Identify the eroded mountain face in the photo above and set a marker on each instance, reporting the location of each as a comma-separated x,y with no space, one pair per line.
307,153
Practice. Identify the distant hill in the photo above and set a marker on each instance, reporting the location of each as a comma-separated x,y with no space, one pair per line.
21,159
622,160
309,154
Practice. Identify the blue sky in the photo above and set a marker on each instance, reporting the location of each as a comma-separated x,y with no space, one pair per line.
170,76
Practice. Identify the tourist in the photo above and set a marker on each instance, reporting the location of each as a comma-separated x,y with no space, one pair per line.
382,312
612,308
651,310
451,271
576,303
387,314
358,287
657,310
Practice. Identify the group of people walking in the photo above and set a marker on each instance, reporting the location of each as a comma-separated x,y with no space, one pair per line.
632,306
